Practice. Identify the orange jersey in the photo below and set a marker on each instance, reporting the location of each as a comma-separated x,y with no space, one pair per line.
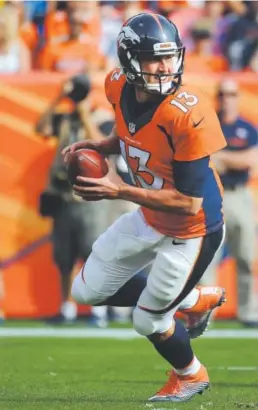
57,27
209,64
71,56
182,127
29,34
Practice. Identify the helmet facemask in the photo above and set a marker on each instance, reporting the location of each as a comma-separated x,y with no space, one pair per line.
166,83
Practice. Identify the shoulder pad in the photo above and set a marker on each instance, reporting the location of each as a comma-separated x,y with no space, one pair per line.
114,83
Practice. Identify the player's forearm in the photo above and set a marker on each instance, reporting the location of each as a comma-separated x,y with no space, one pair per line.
165,200
236,164
91,130
239,160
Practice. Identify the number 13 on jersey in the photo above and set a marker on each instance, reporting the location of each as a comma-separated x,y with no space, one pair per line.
143,158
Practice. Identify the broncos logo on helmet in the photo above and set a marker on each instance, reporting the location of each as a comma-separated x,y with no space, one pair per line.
127,33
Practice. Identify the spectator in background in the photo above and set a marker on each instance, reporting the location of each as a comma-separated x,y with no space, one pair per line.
79,54
75,54
29,34
231,13
76,223
168,7
211,13
201,58
194,18
111,22
57,27
184,17
28,30
14,55
242,37
214,16
253,62
35,10
113,17
235,164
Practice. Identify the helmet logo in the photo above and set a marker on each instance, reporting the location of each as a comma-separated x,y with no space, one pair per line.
165,46
127,33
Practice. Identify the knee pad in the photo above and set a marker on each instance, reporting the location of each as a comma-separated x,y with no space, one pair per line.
146,323
82,293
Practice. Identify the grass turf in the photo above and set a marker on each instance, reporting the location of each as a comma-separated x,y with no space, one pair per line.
117,374
82,322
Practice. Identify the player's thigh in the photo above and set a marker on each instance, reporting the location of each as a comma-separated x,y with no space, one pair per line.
176,270
124,249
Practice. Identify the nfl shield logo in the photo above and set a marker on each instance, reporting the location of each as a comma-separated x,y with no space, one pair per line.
131,127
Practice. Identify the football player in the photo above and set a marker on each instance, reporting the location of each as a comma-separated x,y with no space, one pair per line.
166,131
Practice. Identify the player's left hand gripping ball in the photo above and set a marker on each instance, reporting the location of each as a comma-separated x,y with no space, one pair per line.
106,184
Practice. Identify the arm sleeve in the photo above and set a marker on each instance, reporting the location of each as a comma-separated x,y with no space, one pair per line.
190,176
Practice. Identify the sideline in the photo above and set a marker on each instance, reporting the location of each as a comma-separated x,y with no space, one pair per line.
122,334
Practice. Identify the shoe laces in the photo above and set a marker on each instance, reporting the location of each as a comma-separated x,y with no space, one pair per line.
172,385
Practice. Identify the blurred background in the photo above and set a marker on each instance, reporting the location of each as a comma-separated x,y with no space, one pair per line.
54,56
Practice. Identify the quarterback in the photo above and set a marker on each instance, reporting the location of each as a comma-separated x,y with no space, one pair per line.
166,131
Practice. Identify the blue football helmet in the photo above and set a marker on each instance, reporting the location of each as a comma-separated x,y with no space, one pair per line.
149,34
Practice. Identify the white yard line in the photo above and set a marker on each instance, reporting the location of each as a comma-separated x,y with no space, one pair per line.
235,368
125,334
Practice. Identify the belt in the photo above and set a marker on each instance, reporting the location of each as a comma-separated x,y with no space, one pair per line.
233,187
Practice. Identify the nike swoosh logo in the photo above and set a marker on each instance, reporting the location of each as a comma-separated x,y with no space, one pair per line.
195,124
177,242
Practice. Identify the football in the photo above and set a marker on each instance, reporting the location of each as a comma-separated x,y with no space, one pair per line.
86,163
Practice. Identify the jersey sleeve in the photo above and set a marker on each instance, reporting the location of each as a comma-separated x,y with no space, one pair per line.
113,82
196,130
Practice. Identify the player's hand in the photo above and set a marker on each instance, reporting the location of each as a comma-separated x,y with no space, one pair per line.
92,189
67,151
219,162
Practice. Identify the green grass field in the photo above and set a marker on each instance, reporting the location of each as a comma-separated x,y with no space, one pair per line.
221,324
51,374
